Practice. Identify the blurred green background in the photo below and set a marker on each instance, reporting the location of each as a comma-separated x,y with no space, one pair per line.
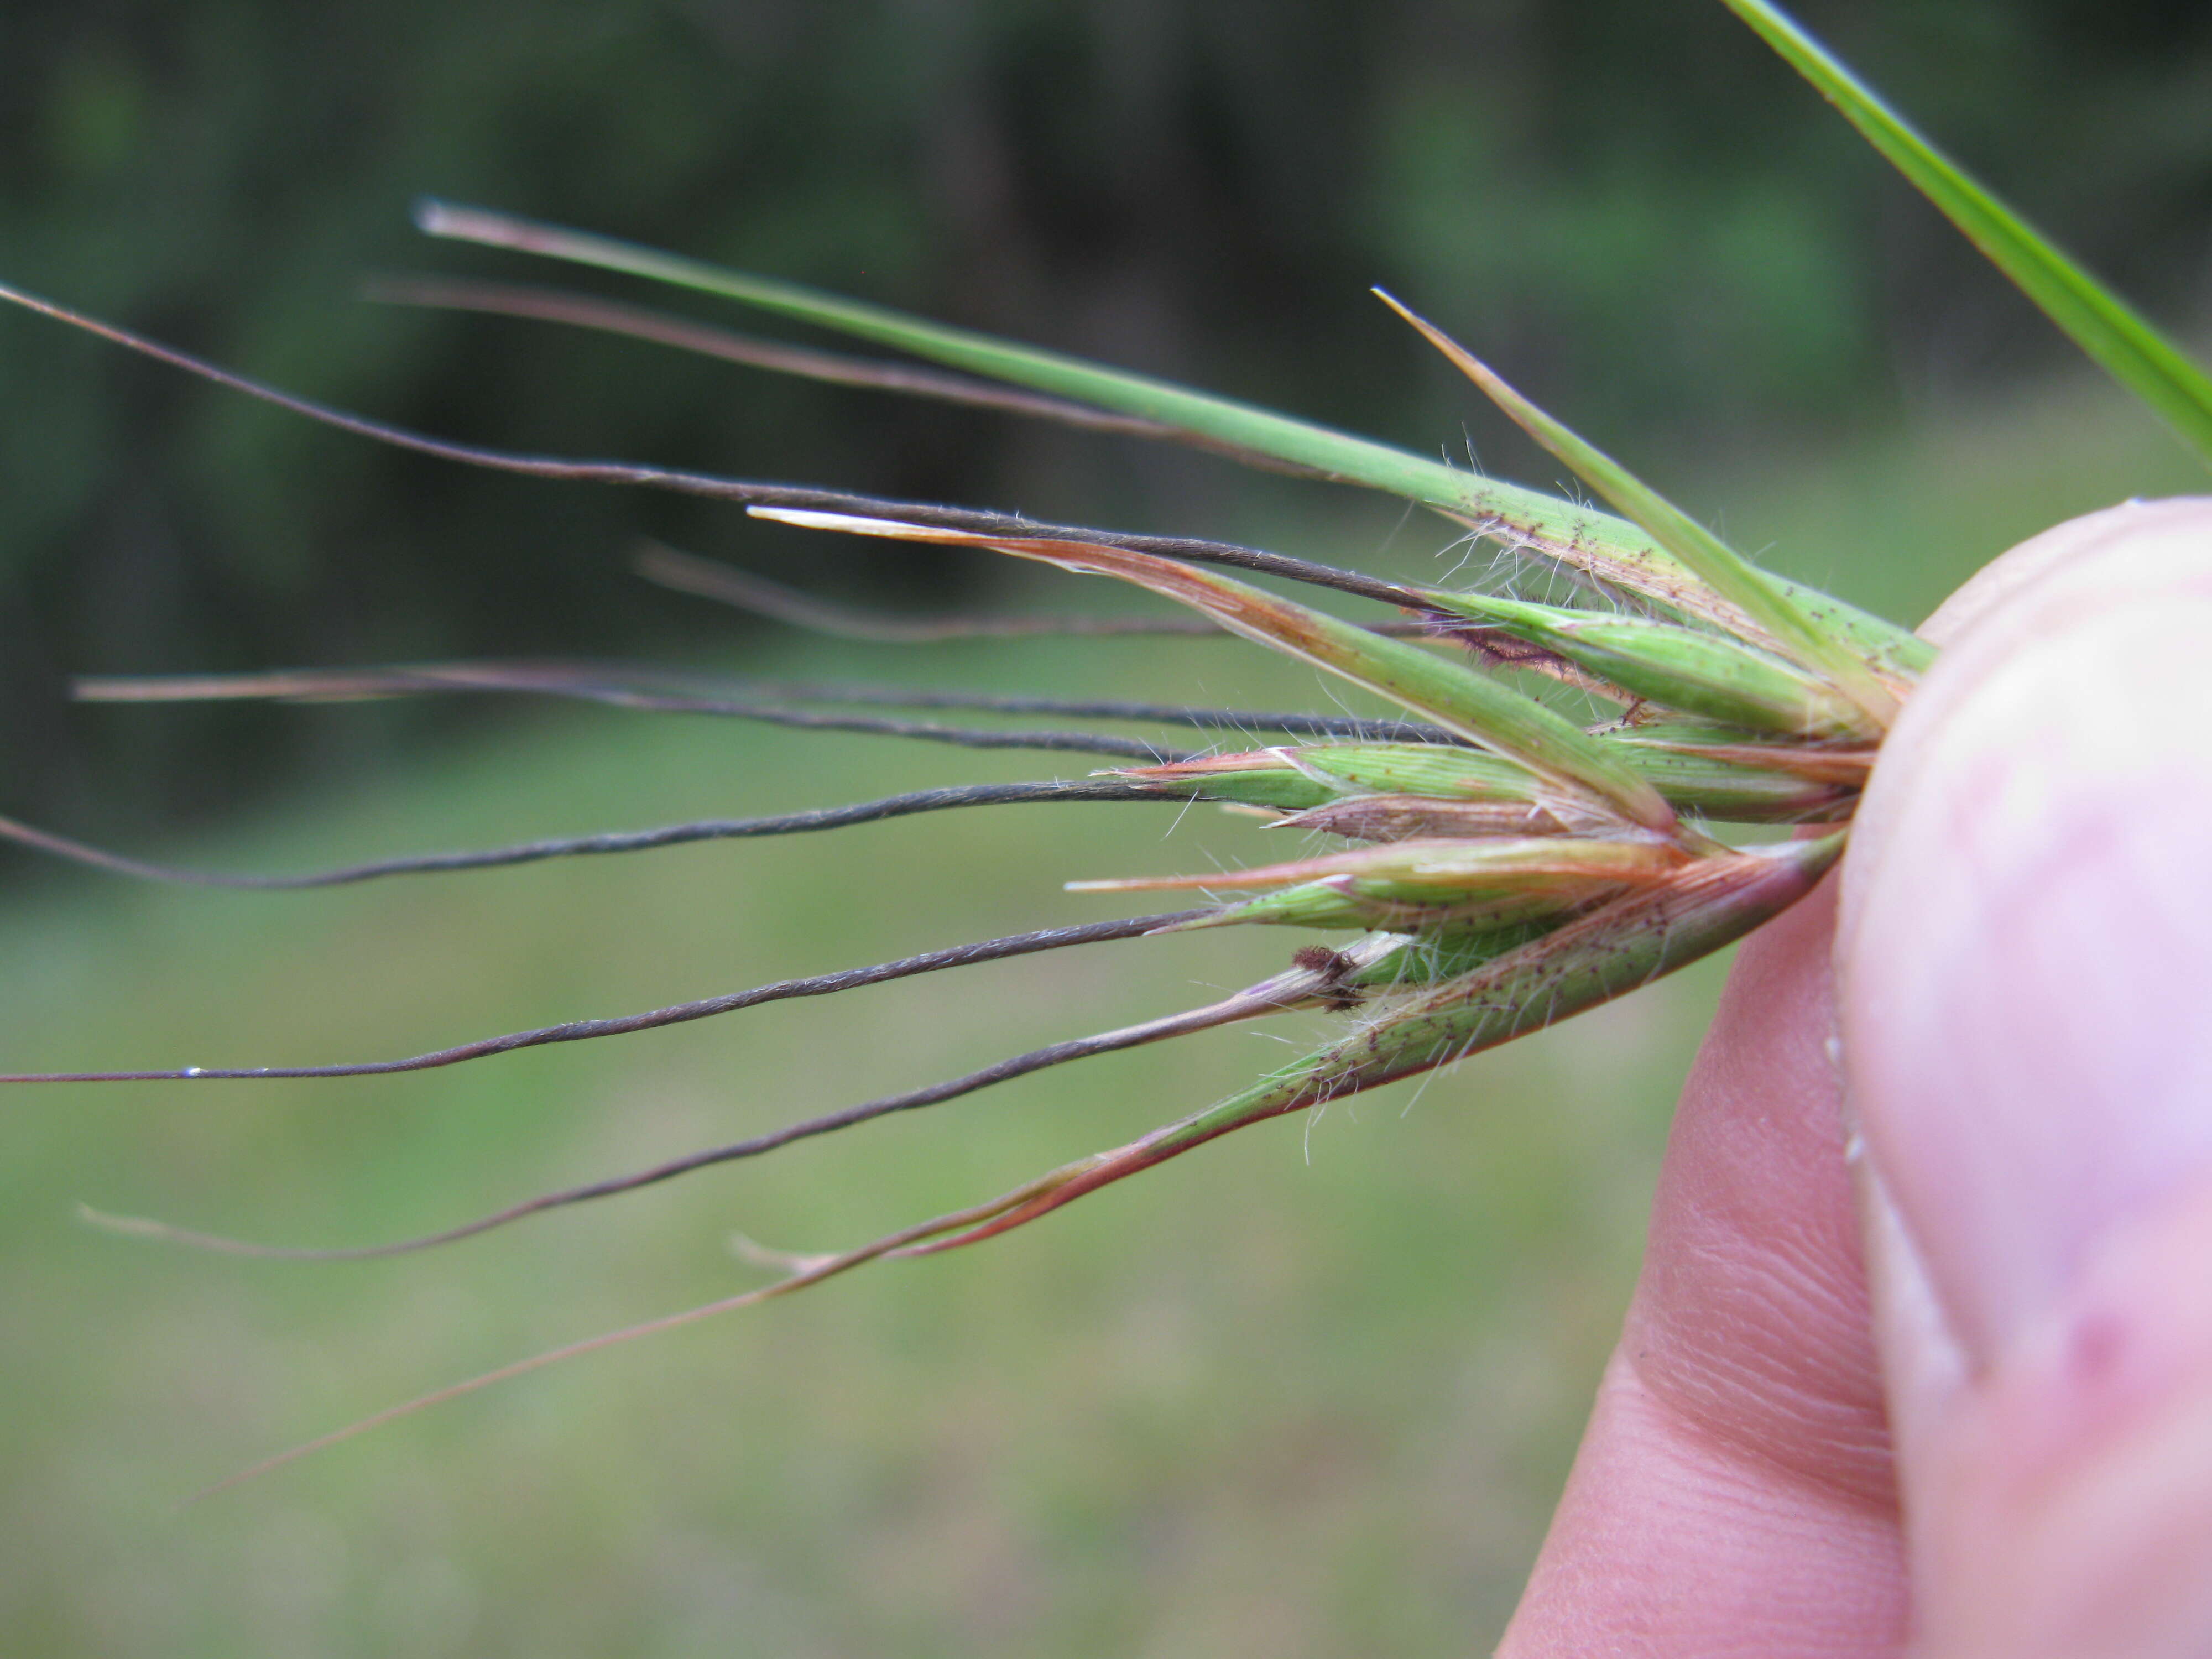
1300,1394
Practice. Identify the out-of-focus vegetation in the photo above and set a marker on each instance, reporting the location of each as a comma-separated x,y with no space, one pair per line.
1280,1398
1625,204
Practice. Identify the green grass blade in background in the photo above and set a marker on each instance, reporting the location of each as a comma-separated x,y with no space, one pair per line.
2122,342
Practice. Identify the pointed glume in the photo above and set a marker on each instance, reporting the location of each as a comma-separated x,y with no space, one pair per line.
1772,613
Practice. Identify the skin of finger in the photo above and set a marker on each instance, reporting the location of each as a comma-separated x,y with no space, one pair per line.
1737,1444
2020,939
2023,968
1671,1535
1923,1363
1732,1494
2064,1505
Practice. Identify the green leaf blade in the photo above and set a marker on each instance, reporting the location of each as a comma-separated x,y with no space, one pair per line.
2115,336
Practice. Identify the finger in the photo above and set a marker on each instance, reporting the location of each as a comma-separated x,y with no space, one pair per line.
2025,966
1732,1494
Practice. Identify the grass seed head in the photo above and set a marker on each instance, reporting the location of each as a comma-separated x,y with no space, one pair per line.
1510,868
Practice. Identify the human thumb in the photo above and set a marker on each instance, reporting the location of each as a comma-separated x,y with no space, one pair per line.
2024,995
